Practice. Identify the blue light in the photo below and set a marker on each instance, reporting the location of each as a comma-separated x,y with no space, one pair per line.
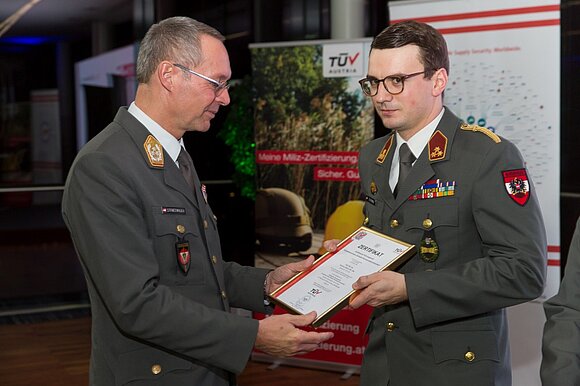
27,40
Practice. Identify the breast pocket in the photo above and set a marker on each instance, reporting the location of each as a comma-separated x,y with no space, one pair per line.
438,219
467,346
182,229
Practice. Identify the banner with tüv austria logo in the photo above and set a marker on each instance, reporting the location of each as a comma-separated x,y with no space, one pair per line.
340,60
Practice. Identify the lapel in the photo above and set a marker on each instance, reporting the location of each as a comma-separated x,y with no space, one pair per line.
437,150
382,170
171,174
197,188
173,178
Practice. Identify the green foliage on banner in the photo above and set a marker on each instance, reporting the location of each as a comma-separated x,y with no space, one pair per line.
238,134
297,108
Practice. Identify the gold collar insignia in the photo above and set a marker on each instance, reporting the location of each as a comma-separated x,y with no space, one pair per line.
154,152
437,146
385,150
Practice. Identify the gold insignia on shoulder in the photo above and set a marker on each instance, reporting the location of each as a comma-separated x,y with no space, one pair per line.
154,152
385,150
495,138
437,146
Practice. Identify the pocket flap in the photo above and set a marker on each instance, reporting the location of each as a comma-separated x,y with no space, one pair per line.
444,214
148,364
465,346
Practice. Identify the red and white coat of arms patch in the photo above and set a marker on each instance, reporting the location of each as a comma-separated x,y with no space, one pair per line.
517,185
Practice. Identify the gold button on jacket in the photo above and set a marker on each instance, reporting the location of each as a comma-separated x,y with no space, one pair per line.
469,356
394,223
156,369
390,326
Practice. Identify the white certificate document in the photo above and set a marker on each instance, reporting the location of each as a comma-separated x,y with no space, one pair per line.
327,285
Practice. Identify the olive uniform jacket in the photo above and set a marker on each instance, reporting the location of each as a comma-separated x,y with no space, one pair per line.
561,347
482,251
153,323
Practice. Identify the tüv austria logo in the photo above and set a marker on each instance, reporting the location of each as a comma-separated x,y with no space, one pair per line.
342,60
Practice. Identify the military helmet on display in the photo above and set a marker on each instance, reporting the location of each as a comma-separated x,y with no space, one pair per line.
282,221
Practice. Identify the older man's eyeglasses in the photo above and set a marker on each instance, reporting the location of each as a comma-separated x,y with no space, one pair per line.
394,84
218,87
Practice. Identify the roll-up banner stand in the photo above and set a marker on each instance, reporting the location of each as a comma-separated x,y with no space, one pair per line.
505,75
311,119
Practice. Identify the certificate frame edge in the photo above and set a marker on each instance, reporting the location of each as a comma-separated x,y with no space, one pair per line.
409,251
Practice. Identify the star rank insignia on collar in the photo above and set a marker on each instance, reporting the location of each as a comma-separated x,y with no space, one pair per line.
154,152
385,150
437,146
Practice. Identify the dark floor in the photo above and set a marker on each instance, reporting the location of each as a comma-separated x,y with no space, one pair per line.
56,353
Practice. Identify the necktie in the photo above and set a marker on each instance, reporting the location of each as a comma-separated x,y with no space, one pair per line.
186,166
406,159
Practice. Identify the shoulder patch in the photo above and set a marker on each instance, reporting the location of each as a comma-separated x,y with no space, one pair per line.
154,152
517,185
495,138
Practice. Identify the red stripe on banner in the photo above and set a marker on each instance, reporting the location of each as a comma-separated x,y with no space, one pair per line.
495,27
477,15
553,249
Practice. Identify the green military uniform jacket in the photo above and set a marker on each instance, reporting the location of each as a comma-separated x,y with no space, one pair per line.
488,252
561,342
153,323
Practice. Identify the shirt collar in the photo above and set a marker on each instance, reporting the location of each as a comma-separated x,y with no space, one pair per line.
418,141
170,144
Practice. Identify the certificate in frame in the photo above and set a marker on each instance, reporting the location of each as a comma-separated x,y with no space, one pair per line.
326,286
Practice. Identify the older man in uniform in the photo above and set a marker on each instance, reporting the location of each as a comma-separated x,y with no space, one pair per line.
148,240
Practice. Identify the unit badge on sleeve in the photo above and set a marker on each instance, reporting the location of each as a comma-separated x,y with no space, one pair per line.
517,185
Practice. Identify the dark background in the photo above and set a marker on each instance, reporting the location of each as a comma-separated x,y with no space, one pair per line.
36,256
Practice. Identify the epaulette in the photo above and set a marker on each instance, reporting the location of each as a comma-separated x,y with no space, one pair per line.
495,138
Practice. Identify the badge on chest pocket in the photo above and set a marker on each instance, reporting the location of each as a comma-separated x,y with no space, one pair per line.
183,255
428,248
